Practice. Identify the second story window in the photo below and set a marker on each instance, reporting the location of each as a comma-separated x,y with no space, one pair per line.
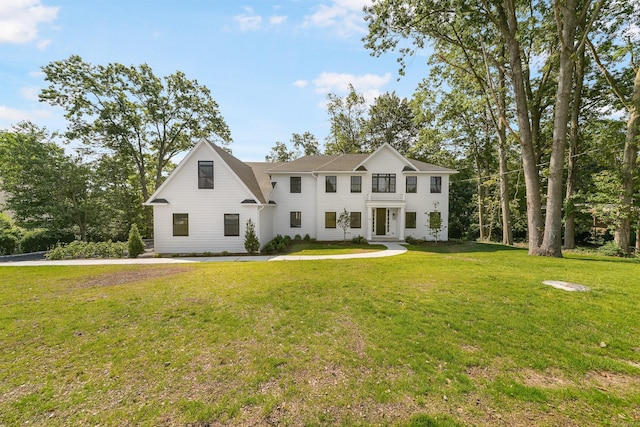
383,183
436,184
412,184
295,183
356,184
205,174
330,184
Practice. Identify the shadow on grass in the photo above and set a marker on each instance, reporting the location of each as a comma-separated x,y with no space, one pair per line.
461,247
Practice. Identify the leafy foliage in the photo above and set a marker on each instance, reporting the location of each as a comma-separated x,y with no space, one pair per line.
251,242
277,244
79,250
135,243
41,239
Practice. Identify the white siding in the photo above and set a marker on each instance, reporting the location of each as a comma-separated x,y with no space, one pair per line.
303,202
336,202
205,207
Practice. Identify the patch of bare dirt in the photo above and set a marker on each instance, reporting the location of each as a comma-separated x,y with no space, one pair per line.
129,276
614,382
548,379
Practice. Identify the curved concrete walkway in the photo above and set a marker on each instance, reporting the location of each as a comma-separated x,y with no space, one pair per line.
392,249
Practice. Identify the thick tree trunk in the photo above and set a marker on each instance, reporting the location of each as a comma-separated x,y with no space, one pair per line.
535,226
552,241
629,160
574,133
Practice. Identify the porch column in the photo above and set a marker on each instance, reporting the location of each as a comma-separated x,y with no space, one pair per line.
402,223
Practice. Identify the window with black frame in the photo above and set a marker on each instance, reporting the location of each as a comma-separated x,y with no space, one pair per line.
412,184
295,184
205,174
383,183
180,224
331,184
436,184
231,224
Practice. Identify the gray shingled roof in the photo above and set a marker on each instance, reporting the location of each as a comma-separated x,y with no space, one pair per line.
255,175
245,173
342,163
304,164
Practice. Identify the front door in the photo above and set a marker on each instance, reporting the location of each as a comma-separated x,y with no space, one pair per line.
381,221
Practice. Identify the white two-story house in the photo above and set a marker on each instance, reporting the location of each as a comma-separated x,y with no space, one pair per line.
206,203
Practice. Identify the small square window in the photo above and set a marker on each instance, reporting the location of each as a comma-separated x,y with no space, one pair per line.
330,184
180,224
436,184
295,219
231,224
329,220
410,220
295,183
356,184
205,174
355,220
412,184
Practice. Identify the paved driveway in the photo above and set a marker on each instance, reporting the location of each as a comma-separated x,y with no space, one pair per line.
17,261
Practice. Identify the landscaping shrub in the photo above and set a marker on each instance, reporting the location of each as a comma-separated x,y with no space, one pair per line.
278,244
135,243
42,239
251,242
610,248
78,249
306,238
359,239
8,243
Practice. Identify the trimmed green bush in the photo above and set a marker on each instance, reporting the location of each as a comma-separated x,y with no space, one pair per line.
610,248
78,250
8,243
135,243
251,242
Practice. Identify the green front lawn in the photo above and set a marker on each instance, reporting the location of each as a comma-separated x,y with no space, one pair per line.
444,335
332,248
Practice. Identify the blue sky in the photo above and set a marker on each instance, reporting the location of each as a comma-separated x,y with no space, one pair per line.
269,65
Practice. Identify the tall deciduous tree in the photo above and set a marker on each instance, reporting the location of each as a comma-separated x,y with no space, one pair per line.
347,118
514,26
130,111
390,121
626,87
44,187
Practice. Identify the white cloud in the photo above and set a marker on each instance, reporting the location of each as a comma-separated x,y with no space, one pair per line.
369,85
42,44
277,20
19,20
30,93
344,17
248,21
13,116
300,83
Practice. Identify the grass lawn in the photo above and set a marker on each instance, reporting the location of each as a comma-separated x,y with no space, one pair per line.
447,335
333,248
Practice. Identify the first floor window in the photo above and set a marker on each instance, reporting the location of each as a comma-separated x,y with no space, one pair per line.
436,184
295,184
329,220
231,224
410,220
355,219
331,184
435,220
412,184
180,224
295,219
205,174
383,183
356,184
